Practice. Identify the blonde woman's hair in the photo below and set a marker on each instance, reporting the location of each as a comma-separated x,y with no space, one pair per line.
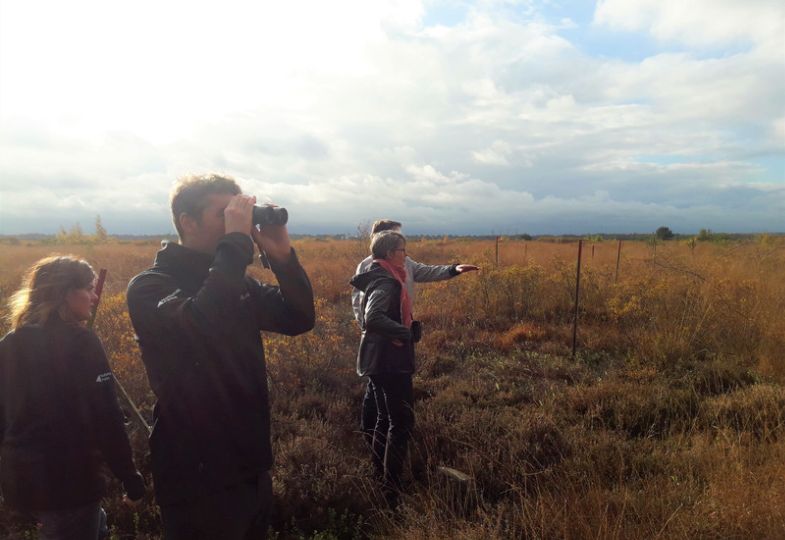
45,287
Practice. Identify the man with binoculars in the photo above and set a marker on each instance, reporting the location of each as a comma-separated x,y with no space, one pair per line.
198,319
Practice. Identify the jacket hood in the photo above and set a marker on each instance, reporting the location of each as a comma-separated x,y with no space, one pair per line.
184,263
363,280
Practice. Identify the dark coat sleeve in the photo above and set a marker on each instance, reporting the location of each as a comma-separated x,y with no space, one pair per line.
107,418
377,307
157,306
287,308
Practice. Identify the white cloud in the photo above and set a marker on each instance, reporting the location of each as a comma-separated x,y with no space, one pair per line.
698,22
357,110
496,154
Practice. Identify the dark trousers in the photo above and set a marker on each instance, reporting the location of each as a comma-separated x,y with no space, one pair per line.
394,423
239,512
369,414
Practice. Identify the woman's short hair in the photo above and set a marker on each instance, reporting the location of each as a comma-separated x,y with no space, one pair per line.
45,287
189,195
384,242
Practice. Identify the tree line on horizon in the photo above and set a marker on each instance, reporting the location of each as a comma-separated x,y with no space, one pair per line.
76,235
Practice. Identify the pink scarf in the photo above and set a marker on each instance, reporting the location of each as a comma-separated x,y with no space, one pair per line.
399,273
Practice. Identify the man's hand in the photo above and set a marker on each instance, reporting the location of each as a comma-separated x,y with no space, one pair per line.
462,268
238,214
273,240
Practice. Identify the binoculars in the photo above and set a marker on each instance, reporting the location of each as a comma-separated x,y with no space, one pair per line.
269,215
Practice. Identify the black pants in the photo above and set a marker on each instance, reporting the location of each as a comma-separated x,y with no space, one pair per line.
239,512
369,414
394,423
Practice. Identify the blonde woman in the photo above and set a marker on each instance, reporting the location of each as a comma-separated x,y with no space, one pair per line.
59,418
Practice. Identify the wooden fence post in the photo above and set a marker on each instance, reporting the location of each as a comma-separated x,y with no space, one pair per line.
497,251
618,260
99,288
577,297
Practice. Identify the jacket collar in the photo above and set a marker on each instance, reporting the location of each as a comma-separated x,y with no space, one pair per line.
188,266
363,280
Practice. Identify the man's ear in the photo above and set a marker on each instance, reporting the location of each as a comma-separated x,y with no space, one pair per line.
188,224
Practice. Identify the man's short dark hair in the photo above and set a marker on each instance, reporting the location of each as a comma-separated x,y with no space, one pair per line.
384,225
189,194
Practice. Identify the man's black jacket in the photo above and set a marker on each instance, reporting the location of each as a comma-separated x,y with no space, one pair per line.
198,318
59,419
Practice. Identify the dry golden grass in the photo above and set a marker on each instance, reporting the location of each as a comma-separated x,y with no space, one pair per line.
668,424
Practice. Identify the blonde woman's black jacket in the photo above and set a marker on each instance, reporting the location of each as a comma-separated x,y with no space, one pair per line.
198,319
59,419
381,324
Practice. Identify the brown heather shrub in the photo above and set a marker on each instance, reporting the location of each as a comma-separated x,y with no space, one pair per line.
312,482
499,448
745,495
525,333
117,335
758,410
667,424
712,376
650,411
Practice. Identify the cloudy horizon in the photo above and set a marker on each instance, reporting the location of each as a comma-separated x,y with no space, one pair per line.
483,117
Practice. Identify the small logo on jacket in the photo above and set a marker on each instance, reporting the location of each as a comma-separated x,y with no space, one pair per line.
245,296
103,377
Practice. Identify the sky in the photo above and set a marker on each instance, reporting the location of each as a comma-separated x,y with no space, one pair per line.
454,117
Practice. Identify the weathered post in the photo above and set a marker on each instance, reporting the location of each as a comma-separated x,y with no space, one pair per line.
497,251
577,296
618,260
592,252
99,287
525,251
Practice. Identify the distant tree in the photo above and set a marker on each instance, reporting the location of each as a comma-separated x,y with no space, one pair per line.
62,236
664,233
704,235
364,230
101,236
75,235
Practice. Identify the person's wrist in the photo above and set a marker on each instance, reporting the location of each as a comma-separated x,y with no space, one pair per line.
290,262
236,249
280,257
231,230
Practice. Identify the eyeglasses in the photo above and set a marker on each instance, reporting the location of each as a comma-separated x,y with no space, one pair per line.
399,249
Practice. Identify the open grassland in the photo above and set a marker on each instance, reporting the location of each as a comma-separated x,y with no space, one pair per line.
668,423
